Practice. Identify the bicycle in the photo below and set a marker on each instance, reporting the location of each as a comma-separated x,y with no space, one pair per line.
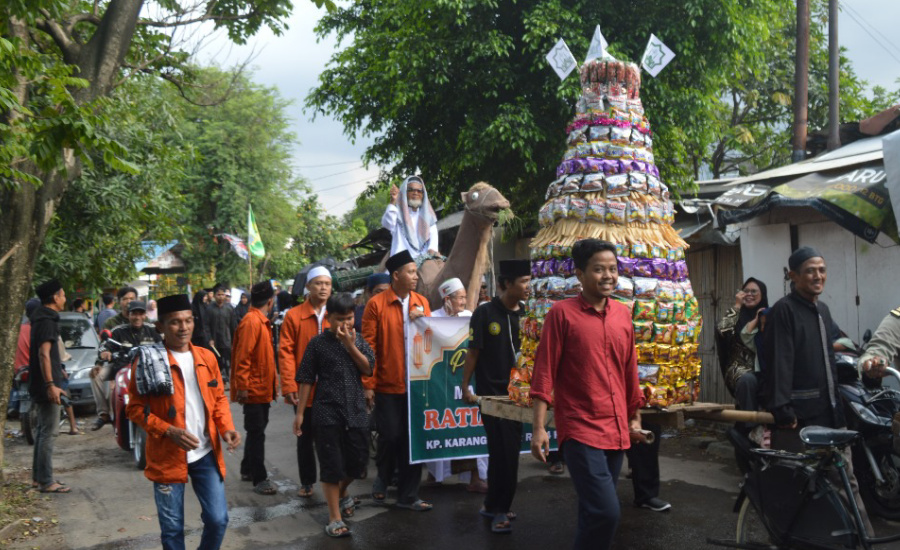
787,500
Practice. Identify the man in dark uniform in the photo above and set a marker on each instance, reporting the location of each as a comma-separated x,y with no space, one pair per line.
221,323
493,347
800,382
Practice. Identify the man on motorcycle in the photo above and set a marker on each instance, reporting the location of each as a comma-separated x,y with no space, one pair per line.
884,347
125,295
131,335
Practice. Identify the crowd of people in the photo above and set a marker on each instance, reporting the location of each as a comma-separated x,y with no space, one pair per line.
341,366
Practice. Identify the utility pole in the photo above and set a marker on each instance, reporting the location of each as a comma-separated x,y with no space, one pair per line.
801,82
834,78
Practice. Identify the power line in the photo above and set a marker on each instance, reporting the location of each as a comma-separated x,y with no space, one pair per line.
344,184
873,27
330,164
337,174
872,36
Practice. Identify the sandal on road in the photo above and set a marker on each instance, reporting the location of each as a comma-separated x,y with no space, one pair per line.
501,524
511,516
347,506
55,488
417,506
379,491
337,529
557,468
100,422
265,488
305,491
36,485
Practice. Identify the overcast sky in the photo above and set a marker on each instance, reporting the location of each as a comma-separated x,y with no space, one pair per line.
330,161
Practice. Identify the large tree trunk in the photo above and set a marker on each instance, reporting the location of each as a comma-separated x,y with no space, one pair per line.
27,212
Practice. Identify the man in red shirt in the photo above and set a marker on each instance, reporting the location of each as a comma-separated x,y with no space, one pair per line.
586,367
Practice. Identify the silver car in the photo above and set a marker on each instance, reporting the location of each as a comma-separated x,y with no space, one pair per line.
81,342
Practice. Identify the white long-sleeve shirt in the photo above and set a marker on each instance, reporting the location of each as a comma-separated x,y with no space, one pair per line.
391,221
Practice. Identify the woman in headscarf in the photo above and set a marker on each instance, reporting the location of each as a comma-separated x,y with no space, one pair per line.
411,220
198,307
242,308
736,360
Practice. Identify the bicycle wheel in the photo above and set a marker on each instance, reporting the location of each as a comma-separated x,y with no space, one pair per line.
751,529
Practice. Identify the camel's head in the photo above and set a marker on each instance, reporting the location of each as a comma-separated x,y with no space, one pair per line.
485,200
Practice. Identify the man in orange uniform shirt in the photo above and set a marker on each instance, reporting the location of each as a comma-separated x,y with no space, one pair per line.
184,430
253,383
301,324
385,328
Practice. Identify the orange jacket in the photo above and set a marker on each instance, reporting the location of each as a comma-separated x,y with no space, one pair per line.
166,461
253,359
299,327
382,327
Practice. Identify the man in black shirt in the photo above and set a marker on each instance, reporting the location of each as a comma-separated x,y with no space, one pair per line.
221,323
493,348
125,295
46,375
800,378
335,361
136,332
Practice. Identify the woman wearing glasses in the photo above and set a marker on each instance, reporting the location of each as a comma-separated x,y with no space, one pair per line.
736,360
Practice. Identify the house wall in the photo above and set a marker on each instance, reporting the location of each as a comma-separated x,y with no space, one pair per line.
862,277
716,273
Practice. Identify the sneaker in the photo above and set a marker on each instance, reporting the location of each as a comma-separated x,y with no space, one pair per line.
655,504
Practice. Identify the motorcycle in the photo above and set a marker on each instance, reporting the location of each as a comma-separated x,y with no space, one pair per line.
129,436
22,396
870,409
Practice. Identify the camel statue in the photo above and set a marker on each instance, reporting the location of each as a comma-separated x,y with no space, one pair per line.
468,259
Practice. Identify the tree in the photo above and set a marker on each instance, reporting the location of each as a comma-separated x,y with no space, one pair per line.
754,119
369,208
95,236
58,59
242,150
461,90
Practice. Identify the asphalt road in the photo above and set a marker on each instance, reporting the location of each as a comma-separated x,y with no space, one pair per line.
111,506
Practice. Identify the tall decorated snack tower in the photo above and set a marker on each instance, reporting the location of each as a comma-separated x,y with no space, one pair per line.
609,188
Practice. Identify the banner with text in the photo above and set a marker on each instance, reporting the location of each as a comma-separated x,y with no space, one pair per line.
442,425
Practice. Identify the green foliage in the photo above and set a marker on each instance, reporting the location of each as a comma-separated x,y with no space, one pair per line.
95,236
461,91
369,208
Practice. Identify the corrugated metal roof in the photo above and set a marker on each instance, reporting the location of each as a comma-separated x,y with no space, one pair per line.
858,152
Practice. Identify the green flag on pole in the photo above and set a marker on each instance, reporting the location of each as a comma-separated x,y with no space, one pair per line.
254,242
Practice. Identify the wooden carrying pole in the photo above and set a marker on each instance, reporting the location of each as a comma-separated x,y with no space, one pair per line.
730,415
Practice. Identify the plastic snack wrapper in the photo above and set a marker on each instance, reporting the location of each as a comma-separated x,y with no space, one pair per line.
644,310
617,185
663,333
624,288
648,373
592,183
596,210
616,211
643,331
645,288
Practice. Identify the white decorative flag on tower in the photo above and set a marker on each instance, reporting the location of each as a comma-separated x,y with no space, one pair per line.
598,46
656,56
561,59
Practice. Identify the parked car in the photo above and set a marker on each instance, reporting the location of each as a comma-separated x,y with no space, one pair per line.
81,342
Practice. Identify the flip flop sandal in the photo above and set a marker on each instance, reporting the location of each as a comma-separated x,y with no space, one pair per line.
348,506
36,485
557,468
501,524
265,488
509,515
379,491
246,477
62,489
333,529
305,491
417,506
